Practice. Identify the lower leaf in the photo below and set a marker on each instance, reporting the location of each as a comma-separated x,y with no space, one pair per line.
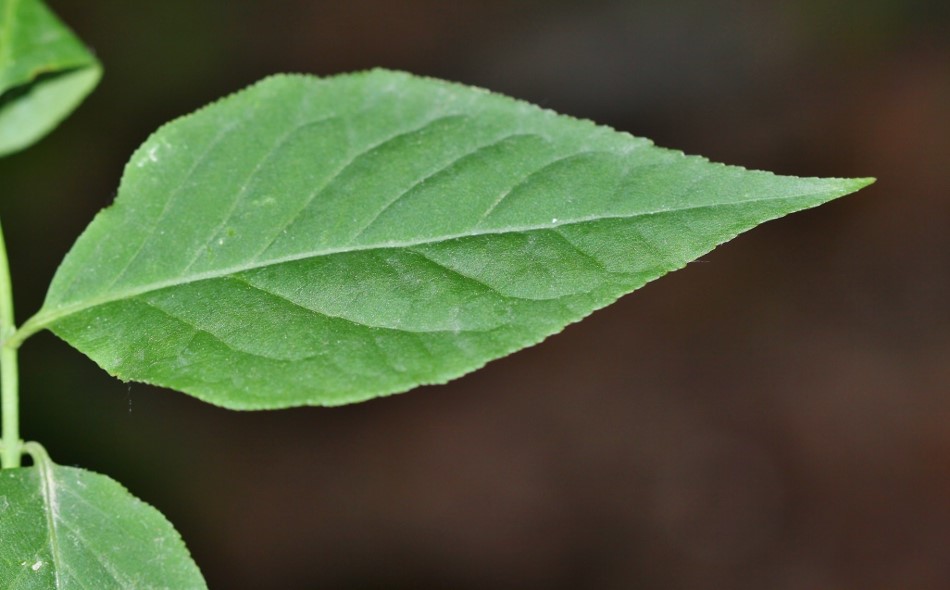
64,527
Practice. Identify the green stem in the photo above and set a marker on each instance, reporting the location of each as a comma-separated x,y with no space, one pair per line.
9,374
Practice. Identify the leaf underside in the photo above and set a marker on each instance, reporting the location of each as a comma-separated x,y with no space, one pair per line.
45,72
68,528
323,241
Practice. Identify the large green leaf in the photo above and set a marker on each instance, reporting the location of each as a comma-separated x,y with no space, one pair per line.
324,241
63,527
45,72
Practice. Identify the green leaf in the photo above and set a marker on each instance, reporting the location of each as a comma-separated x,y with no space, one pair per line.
325,241
45,72
64,527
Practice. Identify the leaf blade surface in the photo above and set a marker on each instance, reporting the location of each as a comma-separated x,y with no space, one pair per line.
324,241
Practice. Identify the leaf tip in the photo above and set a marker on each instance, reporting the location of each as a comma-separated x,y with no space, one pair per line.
847,186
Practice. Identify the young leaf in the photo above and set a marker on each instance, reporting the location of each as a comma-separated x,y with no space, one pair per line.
325,241
45,72
64,527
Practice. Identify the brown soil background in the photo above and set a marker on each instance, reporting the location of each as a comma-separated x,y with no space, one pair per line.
776,415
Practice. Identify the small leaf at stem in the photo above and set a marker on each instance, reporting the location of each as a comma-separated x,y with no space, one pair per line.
45,72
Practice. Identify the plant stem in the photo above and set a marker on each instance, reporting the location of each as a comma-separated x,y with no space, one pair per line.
9,374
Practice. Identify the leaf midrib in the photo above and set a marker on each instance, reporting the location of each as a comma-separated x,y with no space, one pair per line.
45,318
48,491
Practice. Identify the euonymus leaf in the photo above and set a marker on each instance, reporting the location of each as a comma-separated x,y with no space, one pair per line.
45,72
67,528
324,241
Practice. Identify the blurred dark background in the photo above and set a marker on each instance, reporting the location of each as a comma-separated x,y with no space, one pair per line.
776,415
